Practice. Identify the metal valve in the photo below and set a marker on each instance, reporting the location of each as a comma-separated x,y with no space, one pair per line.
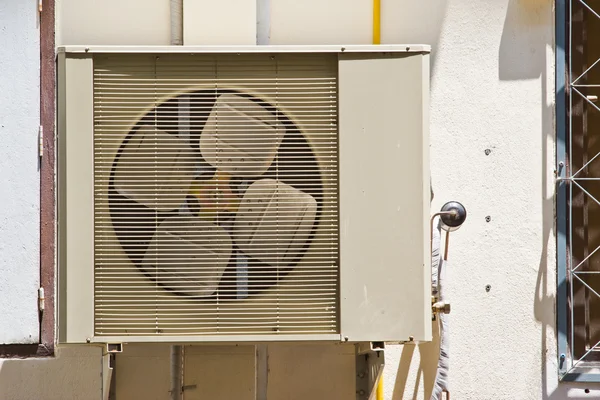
441,307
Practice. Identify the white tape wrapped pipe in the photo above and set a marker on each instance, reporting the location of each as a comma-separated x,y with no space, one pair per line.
438,280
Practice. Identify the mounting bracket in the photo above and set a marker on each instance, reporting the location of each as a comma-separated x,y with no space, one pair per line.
108,379
370,360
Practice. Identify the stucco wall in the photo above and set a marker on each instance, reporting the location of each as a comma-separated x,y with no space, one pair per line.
492,88
19,175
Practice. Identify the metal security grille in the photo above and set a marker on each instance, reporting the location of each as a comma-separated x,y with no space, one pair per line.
579,191
216,197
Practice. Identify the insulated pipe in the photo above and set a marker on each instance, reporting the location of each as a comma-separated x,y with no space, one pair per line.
438,278
176,373
451,217
177,22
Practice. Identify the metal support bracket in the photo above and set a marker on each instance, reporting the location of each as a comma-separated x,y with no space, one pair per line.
108,380
370,360
114,347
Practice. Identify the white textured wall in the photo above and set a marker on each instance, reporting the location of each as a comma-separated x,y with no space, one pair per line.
492,88
19,175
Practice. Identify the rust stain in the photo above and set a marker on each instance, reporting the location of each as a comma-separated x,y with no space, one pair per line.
533,12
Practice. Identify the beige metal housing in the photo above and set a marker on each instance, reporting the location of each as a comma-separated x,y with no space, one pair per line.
347,261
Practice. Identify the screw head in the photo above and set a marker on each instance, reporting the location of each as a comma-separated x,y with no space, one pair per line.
488,288
487,152
488,218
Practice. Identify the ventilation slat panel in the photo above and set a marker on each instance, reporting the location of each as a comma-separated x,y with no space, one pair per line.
216,195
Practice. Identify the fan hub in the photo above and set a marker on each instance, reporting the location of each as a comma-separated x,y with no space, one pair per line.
215,196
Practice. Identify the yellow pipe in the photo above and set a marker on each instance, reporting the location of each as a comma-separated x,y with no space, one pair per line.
376,21
379,392
377,40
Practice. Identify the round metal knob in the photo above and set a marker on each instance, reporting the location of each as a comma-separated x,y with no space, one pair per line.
455,215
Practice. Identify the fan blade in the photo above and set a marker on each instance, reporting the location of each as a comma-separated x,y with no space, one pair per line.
188,255
240,137
155,168
274,222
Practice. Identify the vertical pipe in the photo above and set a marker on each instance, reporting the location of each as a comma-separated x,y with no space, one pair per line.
379,392
377,40
176,373
261,355
263,22
261,371
376,21
177,22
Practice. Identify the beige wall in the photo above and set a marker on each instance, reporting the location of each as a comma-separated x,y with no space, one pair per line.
492,88
227,372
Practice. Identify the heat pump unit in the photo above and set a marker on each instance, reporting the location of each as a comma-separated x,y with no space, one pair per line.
243,194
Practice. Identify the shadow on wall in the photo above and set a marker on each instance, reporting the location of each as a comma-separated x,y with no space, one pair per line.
75,373
523,55
426,371
414,22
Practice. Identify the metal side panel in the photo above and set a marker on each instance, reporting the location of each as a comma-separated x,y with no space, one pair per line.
384,197
76,195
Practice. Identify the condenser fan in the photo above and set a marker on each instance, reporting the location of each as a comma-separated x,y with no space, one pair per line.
215,194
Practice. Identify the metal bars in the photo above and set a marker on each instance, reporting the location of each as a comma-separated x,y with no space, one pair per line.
577,190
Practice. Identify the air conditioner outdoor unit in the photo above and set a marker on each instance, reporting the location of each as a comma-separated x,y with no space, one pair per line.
243,194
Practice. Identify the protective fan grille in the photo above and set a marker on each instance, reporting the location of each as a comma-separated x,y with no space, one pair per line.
216,198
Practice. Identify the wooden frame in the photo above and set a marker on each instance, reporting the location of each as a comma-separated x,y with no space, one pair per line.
47,193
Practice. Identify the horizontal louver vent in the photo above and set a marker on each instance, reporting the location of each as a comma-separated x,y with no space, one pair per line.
216,207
